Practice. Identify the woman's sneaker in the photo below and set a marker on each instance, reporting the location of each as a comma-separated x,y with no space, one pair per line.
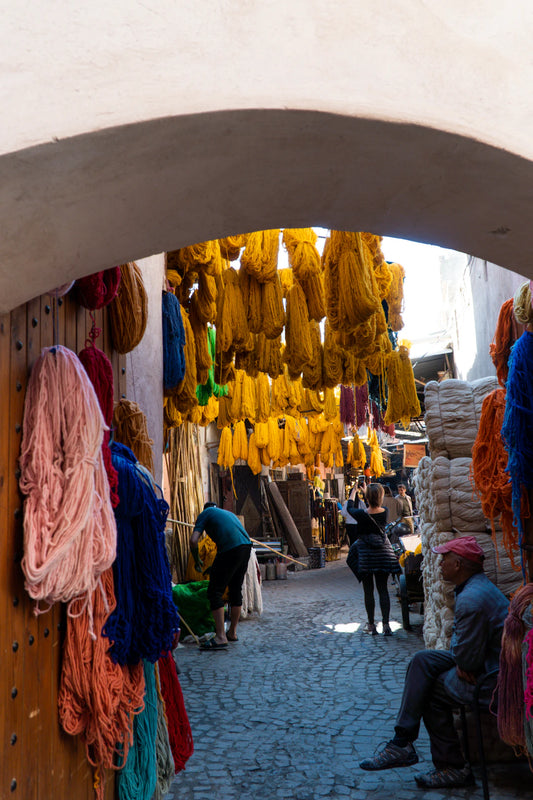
370,628
446,778
391,756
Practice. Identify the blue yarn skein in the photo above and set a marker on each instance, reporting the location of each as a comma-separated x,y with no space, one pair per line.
173,341
517,428
137,779
145,618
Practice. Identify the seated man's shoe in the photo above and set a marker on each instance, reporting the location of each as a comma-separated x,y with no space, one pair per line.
391,756
446,778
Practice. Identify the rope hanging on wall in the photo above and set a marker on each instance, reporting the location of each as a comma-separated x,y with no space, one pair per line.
145,619
98,290
69,527
128,313
131,429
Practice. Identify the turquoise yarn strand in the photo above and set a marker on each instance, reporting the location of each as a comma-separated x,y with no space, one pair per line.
138,778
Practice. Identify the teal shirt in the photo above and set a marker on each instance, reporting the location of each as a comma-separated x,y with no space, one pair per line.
223,527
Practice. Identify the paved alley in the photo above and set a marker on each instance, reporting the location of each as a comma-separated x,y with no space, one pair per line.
289,710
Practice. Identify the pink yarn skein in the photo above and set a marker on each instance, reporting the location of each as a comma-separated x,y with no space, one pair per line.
70,532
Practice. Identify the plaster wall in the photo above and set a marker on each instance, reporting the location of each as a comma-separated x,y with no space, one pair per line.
475,290
144,365
136,128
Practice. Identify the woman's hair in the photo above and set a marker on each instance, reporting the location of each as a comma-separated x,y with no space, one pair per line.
522,305
374,494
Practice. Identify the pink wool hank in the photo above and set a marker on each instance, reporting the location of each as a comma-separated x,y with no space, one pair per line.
69,527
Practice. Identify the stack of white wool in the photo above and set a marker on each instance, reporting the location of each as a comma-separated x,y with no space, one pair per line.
446,501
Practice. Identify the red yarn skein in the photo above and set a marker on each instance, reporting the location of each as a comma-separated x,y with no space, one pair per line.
98,368
179,729
98,290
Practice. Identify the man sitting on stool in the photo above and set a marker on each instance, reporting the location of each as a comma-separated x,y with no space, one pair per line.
438,680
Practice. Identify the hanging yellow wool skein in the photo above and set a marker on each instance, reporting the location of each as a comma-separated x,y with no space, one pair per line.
199,328
225,449
254,458
272,315
240,441
260,257
251,297
312,372
395,297
304,258
298,345
231,246
207,297
352,286
332,367
262,392
128,312
403,402
231,322
185,395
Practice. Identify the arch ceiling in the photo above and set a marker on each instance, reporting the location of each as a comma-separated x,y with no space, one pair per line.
132,129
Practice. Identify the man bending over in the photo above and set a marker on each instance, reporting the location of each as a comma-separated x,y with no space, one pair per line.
438,680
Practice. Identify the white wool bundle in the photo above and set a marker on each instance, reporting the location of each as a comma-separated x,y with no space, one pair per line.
252,598
452,498
453,410
69,526
422,485
438,596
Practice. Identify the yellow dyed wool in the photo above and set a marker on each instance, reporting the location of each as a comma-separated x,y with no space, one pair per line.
240,441
286,277
358,453
197,255
224,369
217,265
395,297
194,415
249,399
209,411
269,357
206,297
173,277
286,452
254,457
261,434
304,258
280,395
376,462
313,289
330,405
349,454
247,359
185,394
331,286
312,372
275,440
251,298
298,345
403,403
171,416
302,437
311,403
199,328
231,323
262,393
235,389
360,377
295,394
225,449
328,443
272,310
351,285
339,458
318,424
265,458
260,256
332,365
224,413
231,246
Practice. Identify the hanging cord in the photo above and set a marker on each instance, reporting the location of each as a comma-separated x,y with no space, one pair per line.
138,777
179,729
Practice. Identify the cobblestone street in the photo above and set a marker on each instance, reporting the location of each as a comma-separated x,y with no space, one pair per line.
289,710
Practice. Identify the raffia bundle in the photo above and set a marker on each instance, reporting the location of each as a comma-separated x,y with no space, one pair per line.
395,297
453,413
304,258
130,428
128,312
260,256
298,344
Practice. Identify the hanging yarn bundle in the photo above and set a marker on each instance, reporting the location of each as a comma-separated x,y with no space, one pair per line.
260,256
225,457
347,406
240,441
489,465
272,313
231,322
333,358
304,258
69,527
128,313
403,402
98,290
98,368
251,298
351,291
173,342
312,373
231,246
361,404
510,687
517,430
508,330
254,456
179,729
206,295
97,698
298,344
395,297
164,761
138,777
145,619
130,428
184,394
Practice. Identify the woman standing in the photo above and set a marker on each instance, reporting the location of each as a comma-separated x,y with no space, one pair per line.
371,557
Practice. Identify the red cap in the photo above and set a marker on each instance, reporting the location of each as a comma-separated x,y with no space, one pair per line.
465,546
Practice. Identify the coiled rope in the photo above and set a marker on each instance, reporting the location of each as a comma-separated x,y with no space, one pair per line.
69,527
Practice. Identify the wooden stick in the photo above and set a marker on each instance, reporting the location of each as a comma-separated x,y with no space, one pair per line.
194,636
281,555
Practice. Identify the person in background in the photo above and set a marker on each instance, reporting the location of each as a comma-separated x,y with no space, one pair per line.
389,502
371,557
227,570
404,507
438,680
350,524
